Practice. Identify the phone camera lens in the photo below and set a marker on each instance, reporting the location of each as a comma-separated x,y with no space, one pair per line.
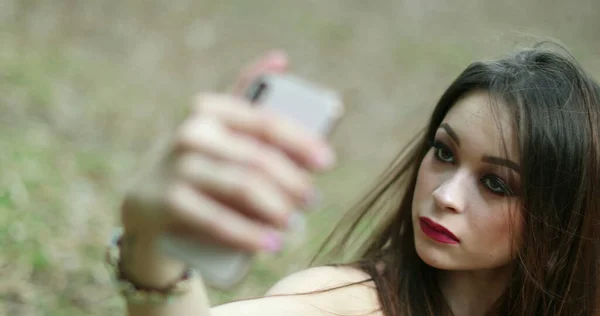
257,92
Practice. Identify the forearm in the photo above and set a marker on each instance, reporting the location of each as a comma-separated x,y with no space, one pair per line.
144,265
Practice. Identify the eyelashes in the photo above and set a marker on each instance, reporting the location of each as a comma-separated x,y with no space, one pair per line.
496,185
442,153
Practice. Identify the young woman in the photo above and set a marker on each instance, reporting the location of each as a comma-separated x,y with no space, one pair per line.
497,212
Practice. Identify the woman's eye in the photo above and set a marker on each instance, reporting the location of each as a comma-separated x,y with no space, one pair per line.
443,153
496,185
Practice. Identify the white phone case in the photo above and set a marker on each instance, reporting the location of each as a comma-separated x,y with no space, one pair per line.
316,108
313,107
220,267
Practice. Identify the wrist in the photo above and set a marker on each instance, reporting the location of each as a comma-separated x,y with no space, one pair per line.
144,264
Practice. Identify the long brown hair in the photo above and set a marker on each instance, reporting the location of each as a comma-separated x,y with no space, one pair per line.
556,112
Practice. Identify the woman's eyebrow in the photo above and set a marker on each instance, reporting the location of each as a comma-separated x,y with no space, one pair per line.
451,133
487,159
503,162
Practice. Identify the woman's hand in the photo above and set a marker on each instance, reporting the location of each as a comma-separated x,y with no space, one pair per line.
233,174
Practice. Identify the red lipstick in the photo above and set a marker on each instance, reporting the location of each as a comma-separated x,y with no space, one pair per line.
437,232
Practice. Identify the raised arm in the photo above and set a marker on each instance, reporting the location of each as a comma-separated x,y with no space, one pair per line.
232,175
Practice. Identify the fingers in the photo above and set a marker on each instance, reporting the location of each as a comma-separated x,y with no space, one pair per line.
207,136
199,216
302,146
249,191
240,173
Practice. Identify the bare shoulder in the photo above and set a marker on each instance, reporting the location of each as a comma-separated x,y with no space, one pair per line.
315,291
342,290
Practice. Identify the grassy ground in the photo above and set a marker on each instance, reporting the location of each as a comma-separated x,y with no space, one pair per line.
85,87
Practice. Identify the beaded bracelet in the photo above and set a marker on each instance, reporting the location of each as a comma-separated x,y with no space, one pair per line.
137,294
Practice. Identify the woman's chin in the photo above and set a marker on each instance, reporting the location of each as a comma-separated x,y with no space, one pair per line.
436,257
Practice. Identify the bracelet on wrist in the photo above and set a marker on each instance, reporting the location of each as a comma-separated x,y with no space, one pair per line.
137,293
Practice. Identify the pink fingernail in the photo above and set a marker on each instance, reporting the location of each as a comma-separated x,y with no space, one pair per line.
278,54
273,242
277,58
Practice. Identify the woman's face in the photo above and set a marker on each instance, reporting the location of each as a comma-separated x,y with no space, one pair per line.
466,197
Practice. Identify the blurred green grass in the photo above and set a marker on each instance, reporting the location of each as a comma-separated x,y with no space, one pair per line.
87,86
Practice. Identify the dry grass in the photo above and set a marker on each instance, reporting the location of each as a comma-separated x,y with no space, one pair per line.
87,85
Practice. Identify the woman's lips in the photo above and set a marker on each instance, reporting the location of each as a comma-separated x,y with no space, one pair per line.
437,232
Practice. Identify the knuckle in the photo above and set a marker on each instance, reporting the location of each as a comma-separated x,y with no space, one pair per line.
271,124
304,184
199,132
286,206
270,156
215,104
293,177
172,197
250,146
280,219
245,183
184,203
234,227
262,159
178,196
241,238
203,103
244,233
186,164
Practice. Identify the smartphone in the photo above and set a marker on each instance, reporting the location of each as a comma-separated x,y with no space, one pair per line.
317,109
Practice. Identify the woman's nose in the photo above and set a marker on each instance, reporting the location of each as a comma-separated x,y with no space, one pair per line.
450,195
